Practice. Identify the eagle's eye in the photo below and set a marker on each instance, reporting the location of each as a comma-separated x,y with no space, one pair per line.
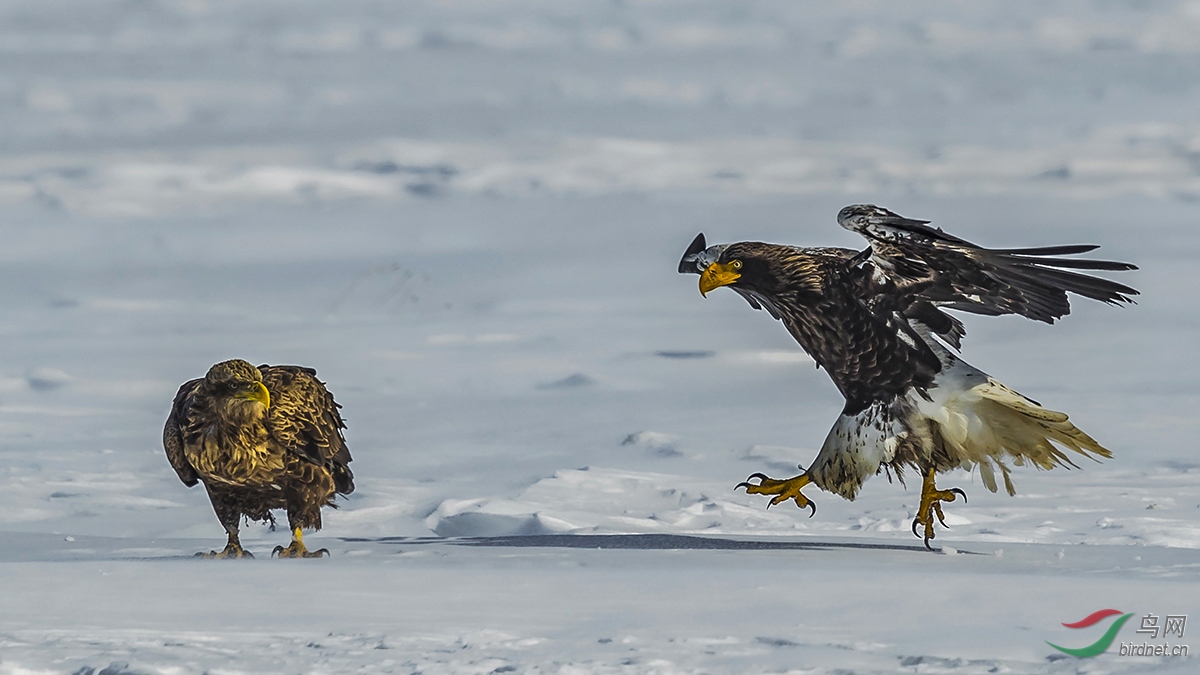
736,265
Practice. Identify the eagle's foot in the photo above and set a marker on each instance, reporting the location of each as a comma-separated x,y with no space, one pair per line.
297,549
931,507
294,551
782,489
231,550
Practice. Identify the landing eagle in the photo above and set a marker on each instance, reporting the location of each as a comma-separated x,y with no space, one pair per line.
875,320
260,439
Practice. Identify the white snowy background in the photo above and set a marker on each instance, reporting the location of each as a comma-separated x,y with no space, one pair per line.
467,216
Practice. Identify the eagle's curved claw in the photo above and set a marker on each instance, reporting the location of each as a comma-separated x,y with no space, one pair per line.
782,490
931,507
747,484
297,549
231,551
301,552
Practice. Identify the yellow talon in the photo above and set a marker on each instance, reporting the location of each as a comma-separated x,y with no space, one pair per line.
231,550
931,506
782,489
297,549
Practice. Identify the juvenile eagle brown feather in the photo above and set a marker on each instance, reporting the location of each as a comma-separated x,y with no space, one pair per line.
260,439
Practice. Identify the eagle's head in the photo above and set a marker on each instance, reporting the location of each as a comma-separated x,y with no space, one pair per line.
238,383
747,266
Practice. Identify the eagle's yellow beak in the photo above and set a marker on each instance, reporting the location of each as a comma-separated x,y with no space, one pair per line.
718,275
257,393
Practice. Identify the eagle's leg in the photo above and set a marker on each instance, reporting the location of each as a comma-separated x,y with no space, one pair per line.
304,502
229,517
931,506
782,489
297,549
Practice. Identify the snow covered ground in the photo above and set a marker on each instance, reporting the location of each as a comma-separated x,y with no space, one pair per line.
467,216
435,607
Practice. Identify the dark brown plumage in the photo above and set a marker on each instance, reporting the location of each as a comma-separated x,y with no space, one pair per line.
922,262
817,294
875,321
260,439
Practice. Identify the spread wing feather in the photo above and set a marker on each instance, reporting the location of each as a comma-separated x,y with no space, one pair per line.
304,418
928,264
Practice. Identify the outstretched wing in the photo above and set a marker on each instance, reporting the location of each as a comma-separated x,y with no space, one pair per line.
173,433
912,259
304,418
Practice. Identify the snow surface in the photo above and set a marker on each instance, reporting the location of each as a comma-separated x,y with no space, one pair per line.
467,216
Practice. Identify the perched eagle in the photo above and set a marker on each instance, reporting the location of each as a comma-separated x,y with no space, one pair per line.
875,321
260,438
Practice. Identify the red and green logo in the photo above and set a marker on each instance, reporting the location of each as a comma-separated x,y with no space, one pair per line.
1105,641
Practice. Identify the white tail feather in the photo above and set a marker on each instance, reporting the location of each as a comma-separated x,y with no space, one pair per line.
966,419
980,422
